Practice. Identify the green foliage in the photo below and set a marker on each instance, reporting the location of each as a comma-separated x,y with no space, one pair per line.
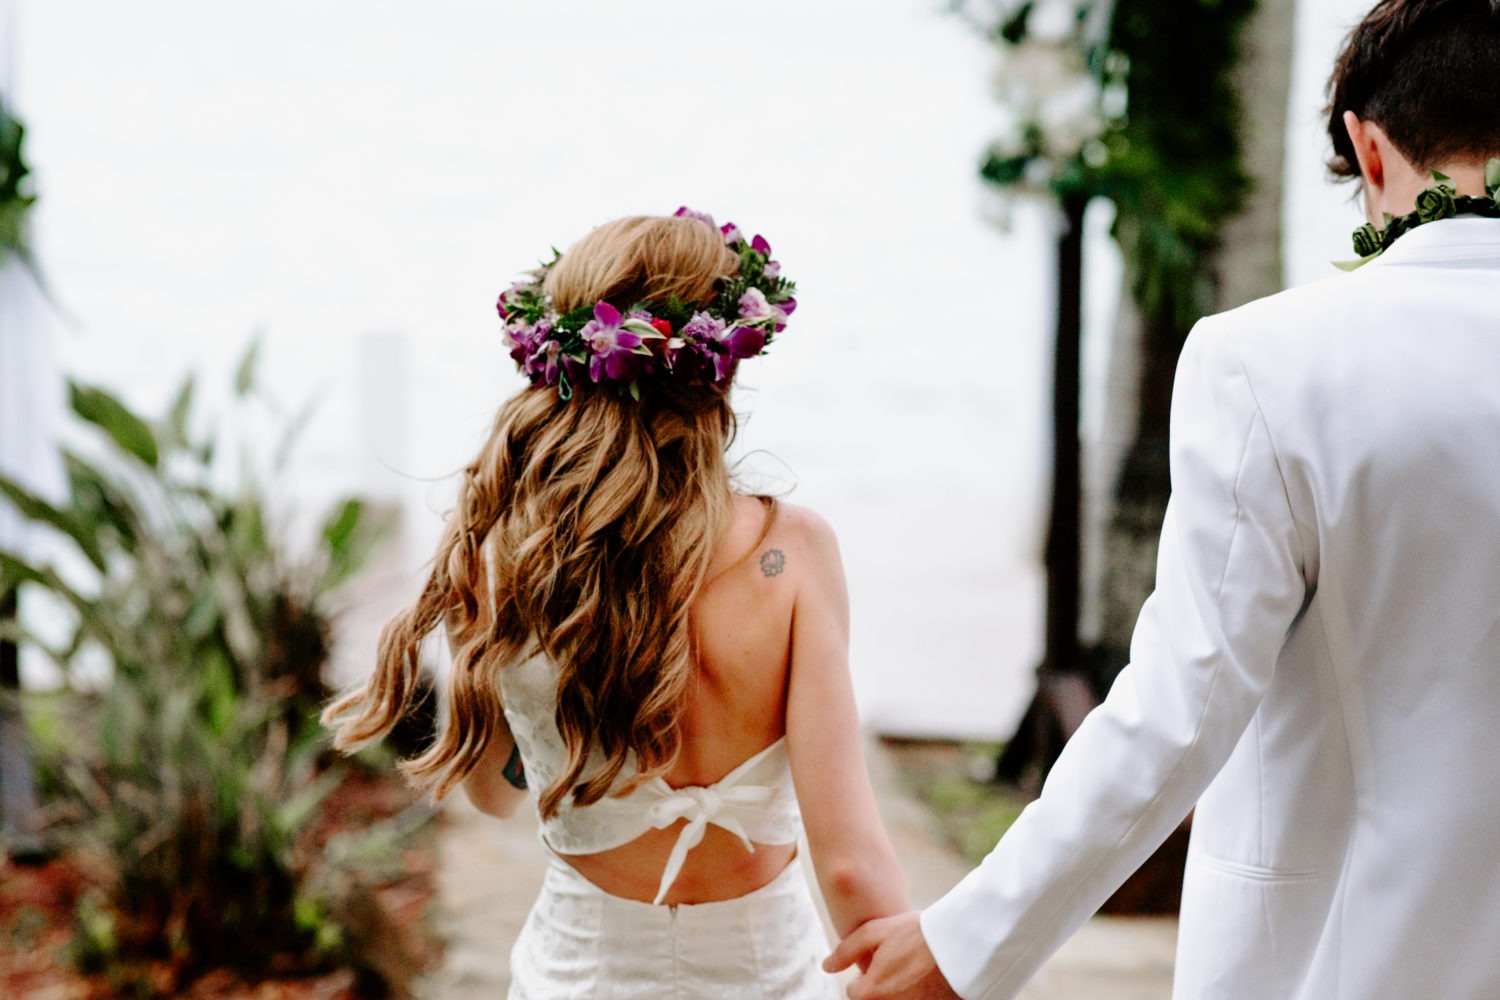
203,765
102,410
971,815
15,197
1168,155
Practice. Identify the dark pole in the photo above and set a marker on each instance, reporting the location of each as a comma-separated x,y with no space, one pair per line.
18,802
1063,696
1063,552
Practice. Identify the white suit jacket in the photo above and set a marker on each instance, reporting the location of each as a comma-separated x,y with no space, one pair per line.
1318,669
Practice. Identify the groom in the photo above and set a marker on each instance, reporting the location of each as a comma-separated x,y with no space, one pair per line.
1319,667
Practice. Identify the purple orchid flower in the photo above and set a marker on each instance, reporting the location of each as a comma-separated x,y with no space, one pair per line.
724,367
732,234
784,308
609,342
545,363
760,246
502,304
517,345
719,345
523,340
754,308
702,328
617,345
772,269
745,341
575,370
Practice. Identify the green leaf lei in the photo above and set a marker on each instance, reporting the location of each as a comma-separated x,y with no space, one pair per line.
1440,200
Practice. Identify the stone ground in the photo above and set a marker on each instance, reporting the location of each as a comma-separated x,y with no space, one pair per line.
490,871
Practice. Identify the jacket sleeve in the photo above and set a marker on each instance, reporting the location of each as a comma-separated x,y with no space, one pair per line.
1229,585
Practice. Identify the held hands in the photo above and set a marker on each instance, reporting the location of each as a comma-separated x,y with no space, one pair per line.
895,961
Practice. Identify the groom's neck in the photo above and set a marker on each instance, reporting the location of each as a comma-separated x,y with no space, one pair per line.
1404,182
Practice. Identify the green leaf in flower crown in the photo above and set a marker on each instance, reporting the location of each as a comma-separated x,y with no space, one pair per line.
1492,178
110,415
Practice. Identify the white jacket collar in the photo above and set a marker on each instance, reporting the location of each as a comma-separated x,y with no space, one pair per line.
1463,237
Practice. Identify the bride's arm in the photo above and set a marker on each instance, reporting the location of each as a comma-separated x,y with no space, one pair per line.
851,853
496,785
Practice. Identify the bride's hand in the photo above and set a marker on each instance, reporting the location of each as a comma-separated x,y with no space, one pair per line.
896,961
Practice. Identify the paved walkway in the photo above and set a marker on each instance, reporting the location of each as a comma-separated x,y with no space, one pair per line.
490,872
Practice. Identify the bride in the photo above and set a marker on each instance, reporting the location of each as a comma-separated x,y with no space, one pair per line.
661,658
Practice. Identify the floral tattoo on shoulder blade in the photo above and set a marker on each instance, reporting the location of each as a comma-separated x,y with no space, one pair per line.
772,562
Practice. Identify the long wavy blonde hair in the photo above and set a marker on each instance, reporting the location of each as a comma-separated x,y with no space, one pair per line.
583,530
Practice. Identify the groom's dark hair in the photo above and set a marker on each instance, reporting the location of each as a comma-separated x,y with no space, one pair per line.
1428,73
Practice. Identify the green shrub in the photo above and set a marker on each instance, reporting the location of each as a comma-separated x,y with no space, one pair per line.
203,764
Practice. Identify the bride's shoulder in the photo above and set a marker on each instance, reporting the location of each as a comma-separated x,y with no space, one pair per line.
800,543
784,542
802,524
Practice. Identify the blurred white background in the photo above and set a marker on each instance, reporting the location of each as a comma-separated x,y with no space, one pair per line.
357,179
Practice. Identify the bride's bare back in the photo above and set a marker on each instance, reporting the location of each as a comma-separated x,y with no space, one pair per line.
771,628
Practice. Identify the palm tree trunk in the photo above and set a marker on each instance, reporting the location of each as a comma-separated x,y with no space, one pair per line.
1248,265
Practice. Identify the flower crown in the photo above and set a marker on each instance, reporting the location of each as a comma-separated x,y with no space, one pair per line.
650,340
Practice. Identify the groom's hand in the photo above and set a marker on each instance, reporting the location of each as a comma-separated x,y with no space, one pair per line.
896,961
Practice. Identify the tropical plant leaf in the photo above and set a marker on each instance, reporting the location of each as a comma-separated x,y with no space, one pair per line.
15,571
240,631
352,533
15,632
180,412
244,372
97,500
205,756
34,508
292,813
220,693
343,523
106,412
202,616
244,527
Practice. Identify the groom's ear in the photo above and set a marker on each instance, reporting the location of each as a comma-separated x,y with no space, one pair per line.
1366,137
1368,140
